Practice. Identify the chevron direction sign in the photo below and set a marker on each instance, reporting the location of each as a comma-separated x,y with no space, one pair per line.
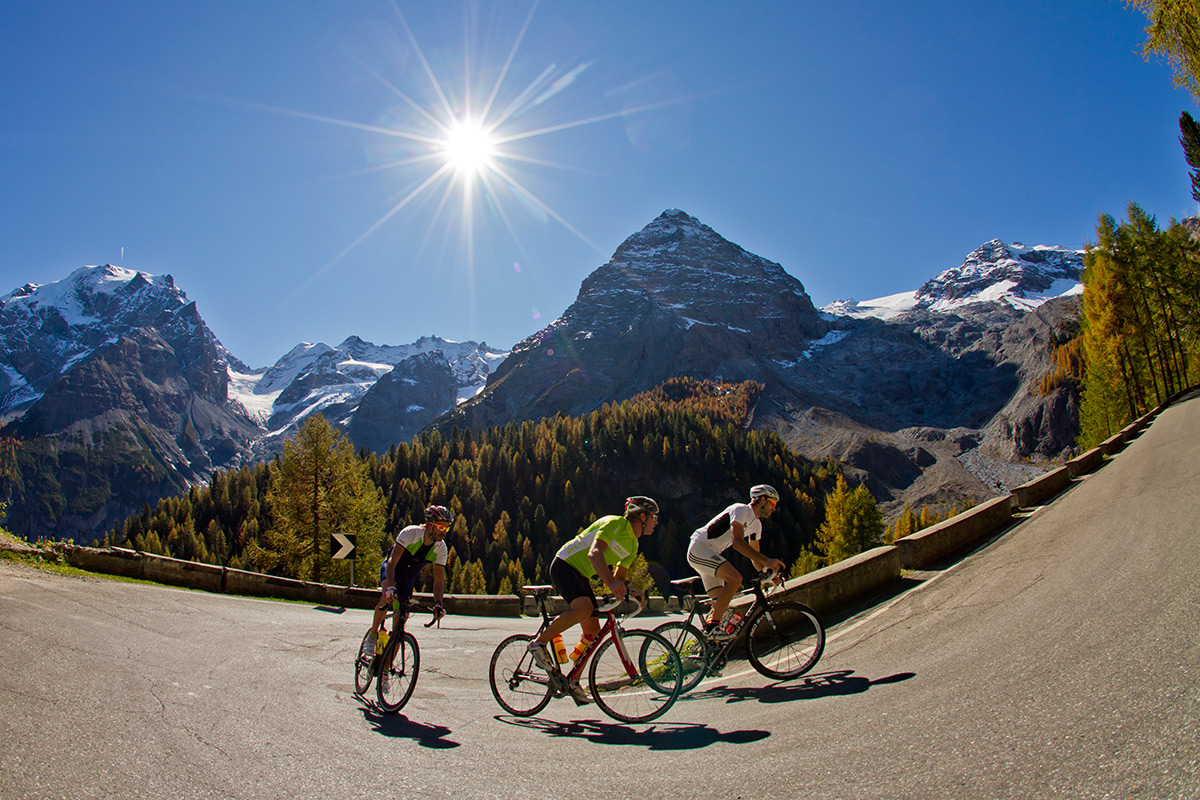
342,545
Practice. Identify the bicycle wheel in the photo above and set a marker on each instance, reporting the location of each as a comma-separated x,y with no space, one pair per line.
396,685
635,678
693,652
785,640
519,685
362,668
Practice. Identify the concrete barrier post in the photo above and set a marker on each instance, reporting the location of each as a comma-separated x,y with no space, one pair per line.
1087,463
847,582
1039,490
940,541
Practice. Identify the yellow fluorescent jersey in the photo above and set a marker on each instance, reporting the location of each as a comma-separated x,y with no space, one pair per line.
614,531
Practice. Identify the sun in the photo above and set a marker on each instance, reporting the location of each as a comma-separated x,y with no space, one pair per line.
469,149
470,142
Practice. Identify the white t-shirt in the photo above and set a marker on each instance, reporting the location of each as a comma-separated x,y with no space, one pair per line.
718,533
411,539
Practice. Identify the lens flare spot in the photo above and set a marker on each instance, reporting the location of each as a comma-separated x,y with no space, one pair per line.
516,266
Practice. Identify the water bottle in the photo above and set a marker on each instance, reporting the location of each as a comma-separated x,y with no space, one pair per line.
732,619
560,649
382,641
584,643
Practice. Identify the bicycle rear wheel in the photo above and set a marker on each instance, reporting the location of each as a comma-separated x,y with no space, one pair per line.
396,684
362,668
637,677
785,640
519,685
693,652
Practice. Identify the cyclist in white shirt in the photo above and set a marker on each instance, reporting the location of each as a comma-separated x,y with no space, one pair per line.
739,526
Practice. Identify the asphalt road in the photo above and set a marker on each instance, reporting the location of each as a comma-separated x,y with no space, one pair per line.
1060,660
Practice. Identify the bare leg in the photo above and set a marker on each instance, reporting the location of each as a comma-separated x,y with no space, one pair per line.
580,614
722,597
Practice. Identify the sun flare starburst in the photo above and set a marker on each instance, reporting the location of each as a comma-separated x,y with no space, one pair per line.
471,143
469,148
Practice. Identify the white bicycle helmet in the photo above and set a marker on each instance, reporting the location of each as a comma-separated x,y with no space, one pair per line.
640,503
763,490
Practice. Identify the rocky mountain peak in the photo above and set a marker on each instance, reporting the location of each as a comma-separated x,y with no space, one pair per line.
45,329
1009,274
997,270
681,268
676,298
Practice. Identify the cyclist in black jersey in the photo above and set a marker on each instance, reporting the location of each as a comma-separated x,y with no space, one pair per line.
416,546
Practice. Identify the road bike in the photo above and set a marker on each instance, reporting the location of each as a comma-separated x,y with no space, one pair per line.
784,639
395,664
634,676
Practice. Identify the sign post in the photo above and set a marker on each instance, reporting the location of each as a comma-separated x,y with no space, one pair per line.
342,545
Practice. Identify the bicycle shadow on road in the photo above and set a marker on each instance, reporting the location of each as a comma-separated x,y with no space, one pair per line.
657,736
812,687
398,726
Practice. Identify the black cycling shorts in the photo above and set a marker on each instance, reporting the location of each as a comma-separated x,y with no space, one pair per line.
569,583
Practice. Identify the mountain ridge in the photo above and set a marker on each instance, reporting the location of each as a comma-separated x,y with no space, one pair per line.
938,390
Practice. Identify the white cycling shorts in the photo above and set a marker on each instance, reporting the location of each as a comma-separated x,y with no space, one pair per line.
706,561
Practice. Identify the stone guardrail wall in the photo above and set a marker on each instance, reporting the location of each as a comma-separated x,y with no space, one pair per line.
839,586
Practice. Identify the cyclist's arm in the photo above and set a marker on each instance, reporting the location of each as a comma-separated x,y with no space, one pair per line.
389,574
606,576
749,549
439,583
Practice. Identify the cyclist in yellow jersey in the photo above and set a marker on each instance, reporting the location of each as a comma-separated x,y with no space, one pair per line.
605,549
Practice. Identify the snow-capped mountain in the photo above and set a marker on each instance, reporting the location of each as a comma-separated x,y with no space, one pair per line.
335,381
114,393
1010,274
47,329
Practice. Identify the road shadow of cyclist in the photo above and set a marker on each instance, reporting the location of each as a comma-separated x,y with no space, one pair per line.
822,684
657,736
399,726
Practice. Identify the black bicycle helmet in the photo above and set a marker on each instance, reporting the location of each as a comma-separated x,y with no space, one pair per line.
439,514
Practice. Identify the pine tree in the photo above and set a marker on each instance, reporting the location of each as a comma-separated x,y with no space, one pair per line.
1189,137
1174,33
321,487
853,522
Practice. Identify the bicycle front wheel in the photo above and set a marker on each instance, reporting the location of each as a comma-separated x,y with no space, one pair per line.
362,668
395,685
785,640
693,652
519,685
635,676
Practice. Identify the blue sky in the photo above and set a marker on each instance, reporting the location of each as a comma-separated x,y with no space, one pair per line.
244,147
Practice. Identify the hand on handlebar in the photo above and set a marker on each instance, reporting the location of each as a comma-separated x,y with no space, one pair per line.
618,589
